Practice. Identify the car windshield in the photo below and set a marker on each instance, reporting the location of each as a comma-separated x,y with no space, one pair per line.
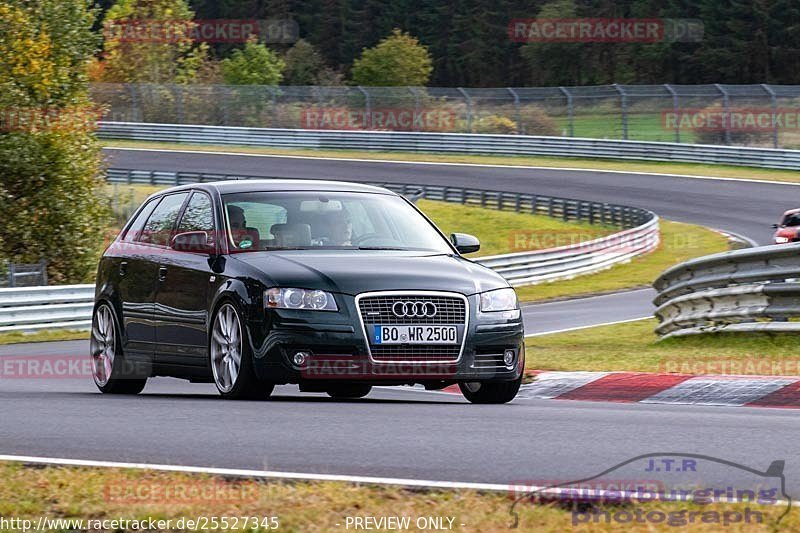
259,221
791,220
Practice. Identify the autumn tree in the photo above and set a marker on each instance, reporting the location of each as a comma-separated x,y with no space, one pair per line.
397,60
51,186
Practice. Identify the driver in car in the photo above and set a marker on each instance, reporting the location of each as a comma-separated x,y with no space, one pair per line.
341,229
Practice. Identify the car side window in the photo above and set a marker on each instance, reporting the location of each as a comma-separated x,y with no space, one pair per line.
135,228
198,215
161,224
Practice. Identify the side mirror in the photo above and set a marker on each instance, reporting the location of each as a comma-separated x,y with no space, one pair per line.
465,243
775,226
192,241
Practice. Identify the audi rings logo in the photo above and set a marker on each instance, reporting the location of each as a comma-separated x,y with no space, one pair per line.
414,309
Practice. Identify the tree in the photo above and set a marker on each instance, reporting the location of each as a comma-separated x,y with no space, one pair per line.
397,60
150,41
254,65
51,186
303,64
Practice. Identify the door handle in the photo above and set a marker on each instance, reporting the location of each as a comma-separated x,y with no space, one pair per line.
162,273
123,268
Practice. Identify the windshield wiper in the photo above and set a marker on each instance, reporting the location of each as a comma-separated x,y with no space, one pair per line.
381,248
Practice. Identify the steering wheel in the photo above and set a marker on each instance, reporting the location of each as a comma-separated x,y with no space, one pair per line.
374,239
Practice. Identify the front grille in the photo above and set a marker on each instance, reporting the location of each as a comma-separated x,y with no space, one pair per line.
378,309
450,310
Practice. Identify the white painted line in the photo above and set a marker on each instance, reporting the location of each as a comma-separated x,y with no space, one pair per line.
589,326
259,473
443,163
519,491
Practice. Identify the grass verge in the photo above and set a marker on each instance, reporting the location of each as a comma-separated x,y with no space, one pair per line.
679,242
694,169
632,347
98,494
42,336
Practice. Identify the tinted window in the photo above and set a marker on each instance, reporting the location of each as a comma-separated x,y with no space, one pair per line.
198,215
135,229
314,220
161,224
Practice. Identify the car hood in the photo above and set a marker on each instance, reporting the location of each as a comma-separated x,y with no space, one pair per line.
357,271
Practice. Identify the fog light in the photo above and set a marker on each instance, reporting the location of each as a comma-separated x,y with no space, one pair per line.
508,358
300,357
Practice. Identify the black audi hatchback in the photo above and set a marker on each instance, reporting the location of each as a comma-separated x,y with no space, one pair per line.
334,286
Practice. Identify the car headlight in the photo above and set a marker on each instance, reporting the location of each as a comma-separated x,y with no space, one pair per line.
781,240
499,300
290,298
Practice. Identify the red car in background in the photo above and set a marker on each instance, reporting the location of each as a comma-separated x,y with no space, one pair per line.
788,230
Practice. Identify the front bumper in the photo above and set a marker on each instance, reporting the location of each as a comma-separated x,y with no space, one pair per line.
336,349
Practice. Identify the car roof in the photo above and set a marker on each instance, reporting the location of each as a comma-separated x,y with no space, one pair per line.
279,185
792,211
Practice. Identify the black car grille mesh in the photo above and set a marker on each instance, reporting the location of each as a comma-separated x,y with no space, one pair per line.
378,310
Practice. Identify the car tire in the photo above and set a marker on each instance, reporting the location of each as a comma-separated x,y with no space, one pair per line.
349,392
111,372
231,359
490,392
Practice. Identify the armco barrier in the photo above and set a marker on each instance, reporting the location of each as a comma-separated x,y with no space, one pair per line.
459,143
71,306
748,290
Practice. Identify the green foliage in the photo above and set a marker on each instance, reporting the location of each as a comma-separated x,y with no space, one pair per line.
254,65
397,60
303,64
150,60
50,189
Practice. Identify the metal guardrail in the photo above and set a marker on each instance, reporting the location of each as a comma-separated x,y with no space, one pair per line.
749,290
57,307
457,143
23,275
70,306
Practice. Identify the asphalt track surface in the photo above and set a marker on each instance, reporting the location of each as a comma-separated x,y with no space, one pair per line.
404,433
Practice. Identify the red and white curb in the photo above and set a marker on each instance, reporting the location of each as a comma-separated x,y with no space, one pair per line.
638,387
682,389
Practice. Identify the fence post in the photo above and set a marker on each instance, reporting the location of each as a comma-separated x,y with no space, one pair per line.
43,270
414,92
675,110
726,112
570,111
12,275
516,107
367,105
774,102
623,103
135,115
177,91
469,108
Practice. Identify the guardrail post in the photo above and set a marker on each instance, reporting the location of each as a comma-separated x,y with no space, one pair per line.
516,108
726,112
774,102
468,100
570,111
367,105
674,94
43,270
623,103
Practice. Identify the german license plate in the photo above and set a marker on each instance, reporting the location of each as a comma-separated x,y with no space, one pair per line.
407,334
